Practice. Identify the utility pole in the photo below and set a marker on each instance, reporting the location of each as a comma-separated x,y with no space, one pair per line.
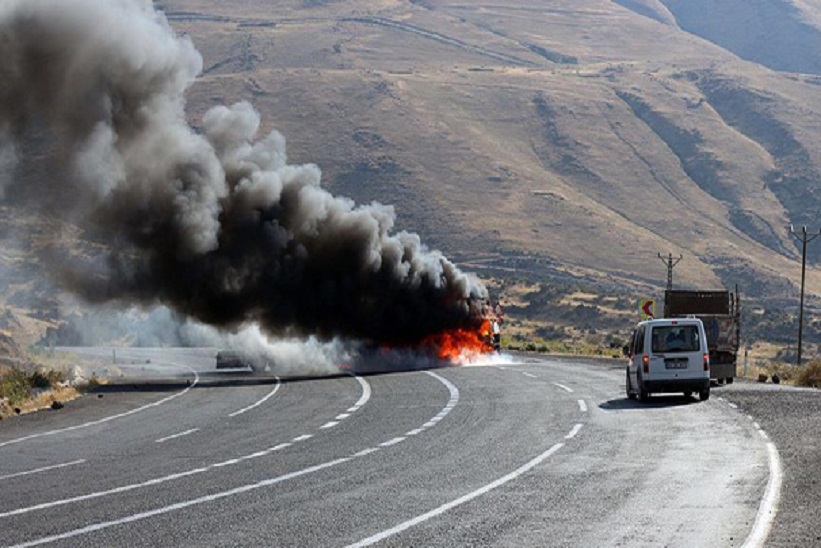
804,239
670,263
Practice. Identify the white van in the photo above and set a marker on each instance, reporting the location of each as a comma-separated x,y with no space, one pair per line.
668,355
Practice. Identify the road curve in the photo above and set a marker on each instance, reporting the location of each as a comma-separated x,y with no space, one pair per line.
536,452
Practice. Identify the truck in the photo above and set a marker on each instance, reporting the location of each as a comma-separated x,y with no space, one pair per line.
720,312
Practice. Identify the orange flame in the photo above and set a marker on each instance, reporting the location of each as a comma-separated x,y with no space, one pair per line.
461,344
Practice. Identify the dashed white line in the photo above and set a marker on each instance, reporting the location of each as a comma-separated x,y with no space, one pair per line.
174,436
531,375
454,397
563,387
342,416
184,504
260,402
303,437
573,432
43,469
734,406
330,424
582,406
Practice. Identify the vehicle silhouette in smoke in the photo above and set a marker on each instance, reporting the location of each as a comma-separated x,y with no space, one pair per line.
232,359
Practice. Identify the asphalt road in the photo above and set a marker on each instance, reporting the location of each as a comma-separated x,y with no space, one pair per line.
537,452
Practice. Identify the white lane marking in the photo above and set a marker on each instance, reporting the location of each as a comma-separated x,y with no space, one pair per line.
303,437
454,398
573,432
365,452
260,402
342,416
184,504
582,406
757,426
363,399
156,481
563,387
734,406
330,424
531,375
173,436
414,432
768,508
394,441
458,502
111,417
43,469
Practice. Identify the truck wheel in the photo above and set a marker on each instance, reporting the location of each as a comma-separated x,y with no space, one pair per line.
704,395
630,394
730,380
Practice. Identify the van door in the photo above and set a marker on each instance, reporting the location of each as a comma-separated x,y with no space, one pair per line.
675,351
636,352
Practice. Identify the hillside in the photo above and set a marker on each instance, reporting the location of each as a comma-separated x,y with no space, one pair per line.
567,141
560,134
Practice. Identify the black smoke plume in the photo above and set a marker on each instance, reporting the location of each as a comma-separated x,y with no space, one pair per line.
215,223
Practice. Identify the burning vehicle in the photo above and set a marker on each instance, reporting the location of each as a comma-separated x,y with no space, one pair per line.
231,359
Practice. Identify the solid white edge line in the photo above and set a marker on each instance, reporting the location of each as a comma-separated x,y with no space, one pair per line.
111,417
768,508
180,505
563,387
260,402
171,477
454,397
458,502
43,469
173,436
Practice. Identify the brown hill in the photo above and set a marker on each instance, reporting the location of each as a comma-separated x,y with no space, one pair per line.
584,134
569,140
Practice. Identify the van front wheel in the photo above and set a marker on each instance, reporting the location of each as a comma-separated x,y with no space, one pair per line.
704,395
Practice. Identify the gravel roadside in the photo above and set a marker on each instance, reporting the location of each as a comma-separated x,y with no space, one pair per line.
792,418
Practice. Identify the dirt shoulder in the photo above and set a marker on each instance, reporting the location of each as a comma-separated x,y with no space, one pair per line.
791,417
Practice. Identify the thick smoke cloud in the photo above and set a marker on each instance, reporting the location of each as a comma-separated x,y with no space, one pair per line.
214,224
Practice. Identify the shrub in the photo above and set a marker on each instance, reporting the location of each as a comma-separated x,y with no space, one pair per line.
810,374
40,380
15,387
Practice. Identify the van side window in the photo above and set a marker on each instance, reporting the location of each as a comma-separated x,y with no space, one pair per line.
638,348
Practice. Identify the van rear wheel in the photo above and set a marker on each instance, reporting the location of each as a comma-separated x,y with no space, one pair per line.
644,395
704,395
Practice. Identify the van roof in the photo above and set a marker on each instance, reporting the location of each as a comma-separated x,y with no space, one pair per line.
670,321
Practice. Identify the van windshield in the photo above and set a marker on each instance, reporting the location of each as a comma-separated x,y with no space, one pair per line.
676,338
